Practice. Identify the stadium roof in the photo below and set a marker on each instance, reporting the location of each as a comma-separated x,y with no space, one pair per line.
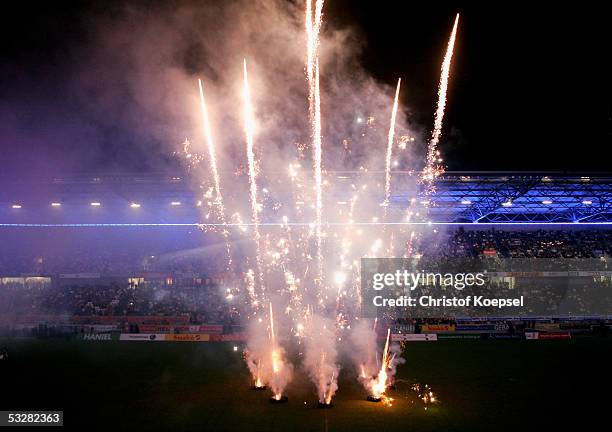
459,197
520,197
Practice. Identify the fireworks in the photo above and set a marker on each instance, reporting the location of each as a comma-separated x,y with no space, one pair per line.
281,372
318,154
379,384
211,152
390,147
306,264
425,394
219,206
249,126
433,168
313,26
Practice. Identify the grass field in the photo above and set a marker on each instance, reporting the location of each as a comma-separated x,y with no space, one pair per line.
481,385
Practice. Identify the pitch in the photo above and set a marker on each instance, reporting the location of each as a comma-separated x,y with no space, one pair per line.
478,385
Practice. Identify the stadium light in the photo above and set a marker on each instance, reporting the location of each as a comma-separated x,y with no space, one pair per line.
16,206
587,202
547,202
507,204
56,204
135,205
175,203
95,204
466,202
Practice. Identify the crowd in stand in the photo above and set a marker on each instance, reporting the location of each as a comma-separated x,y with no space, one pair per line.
531,244
203,304
210,303
458,243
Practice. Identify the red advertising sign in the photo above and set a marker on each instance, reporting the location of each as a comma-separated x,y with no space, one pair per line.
554,336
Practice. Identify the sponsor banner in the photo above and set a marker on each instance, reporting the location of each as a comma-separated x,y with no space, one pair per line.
498,327
99,336
414,337
458,336
501,336
403,328
206,328
436,328
188,337
575,326
233,337
210,328
152,328
134,319
555,335
144,337
546,327
547,336
475,327
183,337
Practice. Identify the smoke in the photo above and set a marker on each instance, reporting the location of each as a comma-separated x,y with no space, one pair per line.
363,351
320,357
258,353
367,358
265,356
140,66
138,72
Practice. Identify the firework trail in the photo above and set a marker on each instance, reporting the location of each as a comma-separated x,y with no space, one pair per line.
249,126
318,156
211,151
313,27
281,371
220,207
379,385
432,169
390,148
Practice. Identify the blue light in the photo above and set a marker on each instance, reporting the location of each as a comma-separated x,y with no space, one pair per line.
297,224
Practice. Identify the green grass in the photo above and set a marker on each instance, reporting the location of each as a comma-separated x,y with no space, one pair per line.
481,385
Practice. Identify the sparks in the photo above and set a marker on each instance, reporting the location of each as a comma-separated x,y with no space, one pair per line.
249,126
433,167
390,147
313,27
211,151
379,384
219,206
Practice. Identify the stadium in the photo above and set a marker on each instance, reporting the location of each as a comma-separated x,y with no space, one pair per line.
141,282
308,258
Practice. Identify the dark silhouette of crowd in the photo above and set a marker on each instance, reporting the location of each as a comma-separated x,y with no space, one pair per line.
210,302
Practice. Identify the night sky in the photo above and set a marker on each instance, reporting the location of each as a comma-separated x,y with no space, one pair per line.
529,85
